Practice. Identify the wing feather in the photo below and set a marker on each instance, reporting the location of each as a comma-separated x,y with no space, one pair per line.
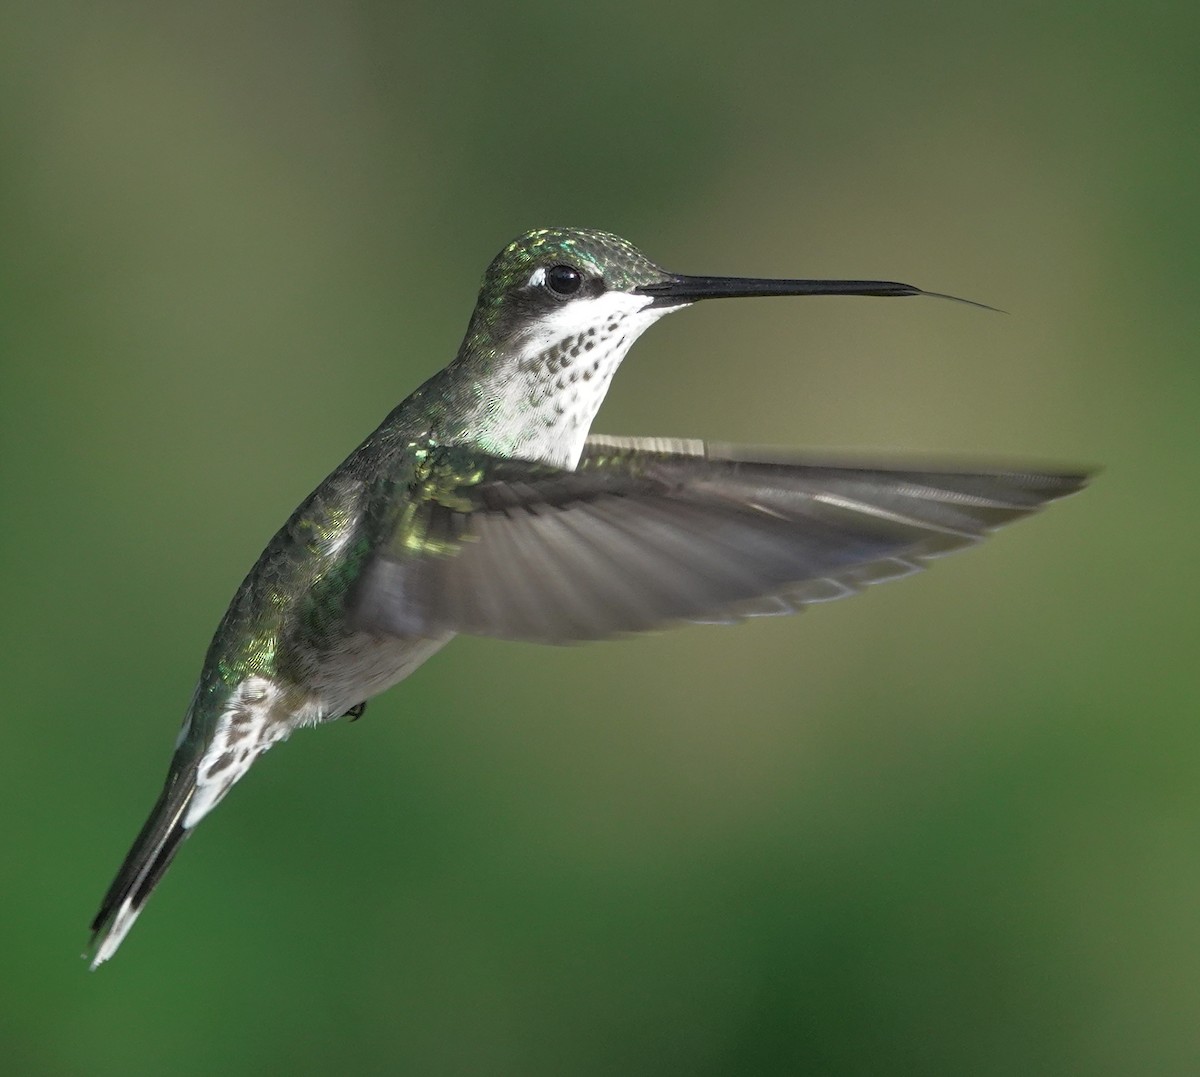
649,532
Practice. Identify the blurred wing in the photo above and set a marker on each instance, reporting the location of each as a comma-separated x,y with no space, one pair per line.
646,532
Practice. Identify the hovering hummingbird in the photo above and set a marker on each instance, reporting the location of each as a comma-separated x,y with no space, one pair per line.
481,505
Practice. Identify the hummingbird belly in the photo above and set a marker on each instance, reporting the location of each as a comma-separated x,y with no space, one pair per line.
363,665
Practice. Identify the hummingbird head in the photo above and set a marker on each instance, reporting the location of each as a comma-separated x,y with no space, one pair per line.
558,310
553,285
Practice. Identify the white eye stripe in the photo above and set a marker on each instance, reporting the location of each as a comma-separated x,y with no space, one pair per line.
538,278
580,315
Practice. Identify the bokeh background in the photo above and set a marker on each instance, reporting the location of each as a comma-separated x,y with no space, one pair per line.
951,826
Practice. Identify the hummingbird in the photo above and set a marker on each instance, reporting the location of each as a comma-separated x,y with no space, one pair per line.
482,505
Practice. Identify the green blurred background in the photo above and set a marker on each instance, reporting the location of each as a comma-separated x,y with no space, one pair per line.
949,827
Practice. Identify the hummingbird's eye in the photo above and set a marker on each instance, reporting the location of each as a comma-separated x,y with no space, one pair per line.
564,281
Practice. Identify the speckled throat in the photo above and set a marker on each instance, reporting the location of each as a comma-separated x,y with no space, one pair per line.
562,370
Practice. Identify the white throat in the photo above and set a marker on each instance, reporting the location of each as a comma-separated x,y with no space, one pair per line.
555,386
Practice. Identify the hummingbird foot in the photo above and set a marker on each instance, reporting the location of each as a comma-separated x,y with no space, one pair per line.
356,712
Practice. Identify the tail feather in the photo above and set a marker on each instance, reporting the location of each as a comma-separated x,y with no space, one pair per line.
225,731
143,867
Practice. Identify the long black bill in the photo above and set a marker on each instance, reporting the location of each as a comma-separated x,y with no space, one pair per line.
679,289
